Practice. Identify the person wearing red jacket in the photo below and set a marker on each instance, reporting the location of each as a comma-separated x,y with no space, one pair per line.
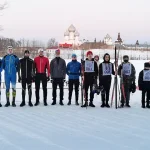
42,74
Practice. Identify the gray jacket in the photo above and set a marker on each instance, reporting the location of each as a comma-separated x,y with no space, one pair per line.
58,68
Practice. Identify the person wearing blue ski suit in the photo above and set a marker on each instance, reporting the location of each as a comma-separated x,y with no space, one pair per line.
10,64
73,72
0,80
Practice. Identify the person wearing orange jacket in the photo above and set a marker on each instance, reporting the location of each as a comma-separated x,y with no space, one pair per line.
42,74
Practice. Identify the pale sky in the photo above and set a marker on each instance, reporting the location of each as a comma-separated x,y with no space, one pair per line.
44,19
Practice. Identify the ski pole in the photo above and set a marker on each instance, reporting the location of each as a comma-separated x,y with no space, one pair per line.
112,97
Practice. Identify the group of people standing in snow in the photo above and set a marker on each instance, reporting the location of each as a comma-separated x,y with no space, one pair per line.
41,70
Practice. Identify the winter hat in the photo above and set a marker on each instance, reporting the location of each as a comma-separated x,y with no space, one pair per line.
105,56
57,52
40,50
74,55
96,56
89,53
9,47
147,65
26,51
125,57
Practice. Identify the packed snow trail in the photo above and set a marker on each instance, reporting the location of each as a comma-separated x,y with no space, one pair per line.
75,128
71,127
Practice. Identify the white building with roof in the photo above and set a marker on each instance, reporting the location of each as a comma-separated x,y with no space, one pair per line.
108,40
71,36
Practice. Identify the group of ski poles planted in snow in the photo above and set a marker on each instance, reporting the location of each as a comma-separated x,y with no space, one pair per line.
94,75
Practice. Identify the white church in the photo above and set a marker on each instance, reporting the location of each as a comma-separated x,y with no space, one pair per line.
71,37
108,40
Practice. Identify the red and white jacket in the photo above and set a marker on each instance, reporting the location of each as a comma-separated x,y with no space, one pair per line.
42,65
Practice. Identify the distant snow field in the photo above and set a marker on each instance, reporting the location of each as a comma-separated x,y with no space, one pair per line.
75,128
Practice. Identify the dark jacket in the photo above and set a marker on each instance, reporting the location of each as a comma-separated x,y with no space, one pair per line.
58,68
127,79
73,69
27,68
105,79
90,75
143,85
0,68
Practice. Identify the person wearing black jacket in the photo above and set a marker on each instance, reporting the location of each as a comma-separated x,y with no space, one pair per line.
26,76
144,84
90,75
106,69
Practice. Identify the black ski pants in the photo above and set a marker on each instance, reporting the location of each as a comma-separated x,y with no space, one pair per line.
105,93
27,82
88,82
41,77
73,82
147,94
60,83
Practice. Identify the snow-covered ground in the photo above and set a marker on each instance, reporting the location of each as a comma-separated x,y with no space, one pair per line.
75,128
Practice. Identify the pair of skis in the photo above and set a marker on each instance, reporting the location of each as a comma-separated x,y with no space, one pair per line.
83,95
116,84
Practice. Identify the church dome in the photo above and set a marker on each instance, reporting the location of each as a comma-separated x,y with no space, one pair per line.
66,33
108,36
77,33
71,29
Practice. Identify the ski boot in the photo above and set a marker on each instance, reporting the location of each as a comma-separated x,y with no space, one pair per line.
107,105
85,104
122,105
37,103
91,104
14,97
45,103
23,103
143,104
54,102
69,102
0,105
7,97
7,104
61,103
13,102
30,104
127,105
103,105
77,103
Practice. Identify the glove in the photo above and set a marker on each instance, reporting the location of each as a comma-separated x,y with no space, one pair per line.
48,79
19,79
51,80
133,82
64,80
101,88
33,79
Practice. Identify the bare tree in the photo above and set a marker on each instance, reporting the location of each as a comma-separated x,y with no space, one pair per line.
52,43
